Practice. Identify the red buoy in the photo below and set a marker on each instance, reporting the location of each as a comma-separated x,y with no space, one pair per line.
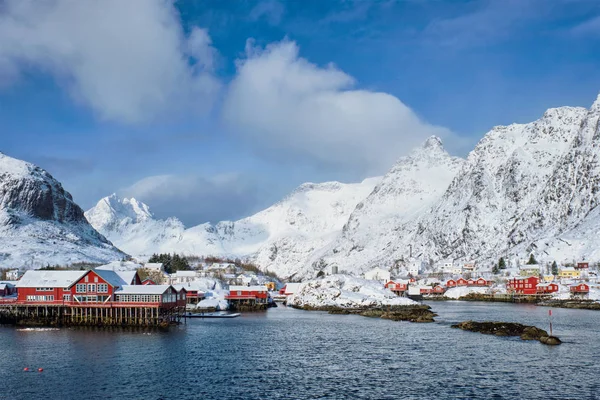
25,369
40,369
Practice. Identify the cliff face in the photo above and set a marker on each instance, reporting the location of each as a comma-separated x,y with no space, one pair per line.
40,223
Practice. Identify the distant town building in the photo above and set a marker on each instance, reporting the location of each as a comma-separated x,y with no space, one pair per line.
529,270
523,285
582,265
378,274
159,267
569,273
13,275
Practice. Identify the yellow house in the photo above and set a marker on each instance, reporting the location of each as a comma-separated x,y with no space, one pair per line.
270,285
548,278
529,270
569,273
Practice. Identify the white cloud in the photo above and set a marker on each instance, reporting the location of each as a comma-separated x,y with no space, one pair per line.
127,60
282,103
196,199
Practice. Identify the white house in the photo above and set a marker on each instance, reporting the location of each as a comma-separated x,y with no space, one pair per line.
181,277
378,274
154,267
447,266
12,275
415,267
457,269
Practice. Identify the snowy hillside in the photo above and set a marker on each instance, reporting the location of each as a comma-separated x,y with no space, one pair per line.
280,237
404,194
525,188
40,223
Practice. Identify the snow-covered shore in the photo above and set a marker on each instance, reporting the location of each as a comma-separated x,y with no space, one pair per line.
344,291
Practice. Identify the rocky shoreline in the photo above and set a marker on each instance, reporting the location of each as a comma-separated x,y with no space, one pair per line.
539,301
576,304
412,313
525,332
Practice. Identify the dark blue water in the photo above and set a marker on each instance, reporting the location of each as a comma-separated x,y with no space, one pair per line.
291,354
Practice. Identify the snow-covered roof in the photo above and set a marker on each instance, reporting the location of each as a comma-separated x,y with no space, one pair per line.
183,274
143,289
291,288
568,269
111,277
127,276
39,278
156,266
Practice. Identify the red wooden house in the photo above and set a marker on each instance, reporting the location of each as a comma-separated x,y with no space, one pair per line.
461,282
546,288
523,285
580,289
47,286
248,294
439,289
397,287
426,290
451,283
148,281
7,289
582,265
470,282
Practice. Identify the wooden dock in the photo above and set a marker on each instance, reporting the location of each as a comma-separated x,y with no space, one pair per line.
94,314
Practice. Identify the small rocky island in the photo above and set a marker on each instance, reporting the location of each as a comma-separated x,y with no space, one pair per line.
525,332
342,294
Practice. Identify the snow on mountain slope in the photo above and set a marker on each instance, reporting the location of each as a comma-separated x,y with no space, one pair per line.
130,225
412,186
40,223
503,176
279,237
282,237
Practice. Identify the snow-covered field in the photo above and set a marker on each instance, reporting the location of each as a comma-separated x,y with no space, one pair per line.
345,292
457,292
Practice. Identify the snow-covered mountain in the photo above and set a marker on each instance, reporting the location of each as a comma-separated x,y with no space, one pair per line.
524,188
280,237
40,223
373,234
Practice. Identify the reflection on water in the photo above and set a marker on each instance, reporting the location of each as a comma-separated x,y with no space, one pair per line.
289,354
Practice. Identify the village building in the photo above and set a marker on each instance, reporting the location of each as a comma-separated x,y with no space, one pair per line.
457,269
450,283
7,289
527,286
181,277
546,288
469,266
548,278
438,290
398,287
529,270
289,289
161,295
447,266
13,275
416,267
247,296
582,265
462,282
148,281
378,274
158,267
581,289
569,273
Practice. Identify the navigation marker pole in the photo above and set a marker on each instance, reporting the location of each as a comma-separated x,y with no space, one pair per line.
550,317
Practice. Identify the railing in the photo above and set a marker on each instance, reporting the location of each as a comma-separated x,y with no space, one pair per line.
99,304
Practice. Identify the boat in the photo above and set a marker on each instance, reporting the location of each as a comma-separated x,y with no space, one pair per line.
212,315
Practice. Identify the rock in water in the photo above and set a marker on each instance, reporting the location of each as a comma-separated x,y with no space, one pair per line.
525,332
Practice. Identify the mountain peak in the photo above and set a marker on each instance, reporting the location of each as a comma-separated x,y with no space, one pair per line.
596,105
433,143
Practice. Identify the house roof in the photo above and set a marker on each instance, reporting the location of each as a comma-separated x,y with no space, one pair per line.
127,276
111,277
39,278
255,288
143,289
185,273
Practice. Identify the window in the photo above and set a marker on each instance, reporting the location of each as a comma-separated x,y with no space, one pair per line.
92,287
86,278
66,297
96,279
80,288
102,288
44,289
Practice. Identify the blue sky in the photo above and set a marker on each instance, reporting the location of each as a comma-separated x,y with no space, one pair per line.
211,110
